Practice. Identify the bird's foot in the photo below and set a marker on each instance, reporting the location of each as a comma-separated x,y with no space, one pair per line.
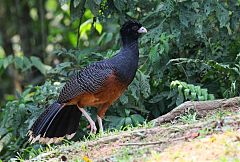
93,128
100,124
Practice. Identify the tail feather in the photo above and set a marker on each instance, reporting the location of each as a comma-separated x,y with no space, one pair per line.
40,124
74,120
69,118
56,122
52,129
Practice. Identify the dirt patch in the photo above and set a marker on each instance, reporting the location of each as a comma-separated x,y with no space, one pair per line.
219,147
169,142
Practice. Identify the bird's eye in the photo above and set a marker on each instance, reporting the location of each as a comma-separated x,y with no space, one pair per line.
135,28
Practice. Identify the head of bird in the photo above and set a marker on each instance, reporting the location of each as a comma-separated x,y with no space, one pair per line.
132,29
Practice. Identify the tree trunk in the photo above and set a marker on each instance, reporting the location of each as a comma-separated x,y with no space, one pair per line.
5,32
24,22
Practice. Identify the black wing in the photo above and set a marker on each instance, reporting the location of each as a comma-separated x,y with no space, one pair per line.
89,80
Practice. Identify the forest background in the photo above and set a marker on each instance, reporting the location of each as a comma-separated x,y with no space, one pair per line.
191,52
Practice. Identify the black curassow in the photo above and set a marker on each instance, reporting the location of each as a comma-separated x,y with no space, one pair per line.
97,85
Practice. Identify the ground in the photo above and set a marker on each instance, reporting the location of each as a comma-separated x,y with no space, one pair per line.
215,137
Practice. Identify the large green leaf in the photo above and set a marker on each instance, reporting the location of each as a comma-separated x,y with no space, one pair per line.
39,65
137,119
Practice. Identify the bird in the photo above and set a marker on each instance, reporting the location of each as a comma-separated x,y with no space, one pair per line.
97,85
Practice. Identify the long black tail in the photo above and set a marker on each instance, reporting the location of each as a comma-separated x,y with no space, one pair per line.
54,123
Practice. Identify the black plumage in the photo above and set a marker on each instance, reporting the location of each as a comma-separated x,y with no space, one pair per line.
99,85
90,80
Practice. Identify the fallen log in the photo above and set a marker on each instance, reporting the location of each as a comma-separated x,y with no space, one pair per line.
202,108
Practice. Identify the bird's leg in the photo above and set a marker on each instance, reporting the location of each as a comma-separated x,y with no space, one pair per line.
92,123
101,113
100,124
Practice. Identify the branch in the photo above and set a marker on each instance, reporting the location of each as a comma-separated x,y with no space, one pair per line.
202,108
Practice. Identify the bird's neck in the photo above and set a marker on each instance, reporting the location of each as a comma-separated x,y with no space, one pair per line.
126,62
130,47
128,41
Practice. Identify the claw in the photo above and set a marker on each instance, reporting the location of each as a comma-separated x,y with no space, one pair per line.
93,128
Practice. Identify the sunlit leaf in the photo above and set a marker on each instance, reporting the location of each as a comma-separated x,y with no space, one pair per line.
99,28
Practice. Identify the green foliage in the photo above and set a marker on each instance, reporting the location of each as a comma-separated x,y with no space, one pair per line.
189,92
17,116
180,45
189,117
189,45
125,118
23,63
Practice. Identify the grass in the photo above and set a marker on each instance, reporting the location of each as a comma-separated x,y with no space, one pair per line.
208,136
32,151
188,118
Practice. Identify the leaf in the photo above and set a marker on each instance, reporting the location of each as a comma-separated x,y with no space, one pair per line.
72,38
128,121
123,99
39,65
211,97
222,15
180,88
19,63
100,39
187,93
193,96
7,61
153,54
99,27
137,119
207,7
27,64
144,84
120,123
109,37
204,93
198,90
134,87
5,140
183,18
127,112
201,98
63,2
